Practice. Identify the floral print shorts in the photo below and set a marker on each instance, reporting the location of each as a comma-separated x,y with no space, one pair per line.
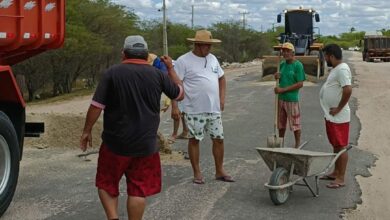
199,124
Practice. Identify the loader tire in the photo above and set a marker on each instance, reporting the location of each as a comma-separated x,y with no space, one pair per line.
9,162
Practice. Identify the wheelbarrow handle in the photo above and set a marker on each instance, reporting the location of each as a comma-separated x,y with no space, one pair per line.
302,145
276,118
341,152
336,157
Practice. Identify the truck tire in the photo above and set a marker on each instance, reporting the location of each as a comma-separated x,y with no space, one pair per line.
367,57
9,162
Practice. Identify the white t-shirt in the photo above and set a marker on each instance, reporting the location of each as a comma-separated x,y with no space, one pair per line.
200,77
331,93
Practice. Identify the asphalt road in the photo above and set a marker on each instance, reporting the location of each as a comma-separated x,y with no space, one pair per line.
56,184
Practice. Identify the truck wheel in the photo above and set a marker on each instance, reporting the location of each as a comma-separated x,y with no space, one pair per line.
9,162
279,177
367,57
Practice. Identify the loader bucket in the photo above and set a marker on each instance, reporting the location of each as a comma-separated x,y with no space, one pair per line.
270,64
311,64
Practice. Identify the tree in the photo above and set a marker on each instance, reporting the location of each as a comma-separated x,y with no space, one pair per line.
229,33
35,77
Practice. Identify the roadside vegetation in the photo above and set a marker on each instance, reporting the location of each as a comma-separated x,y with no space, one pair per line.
94,36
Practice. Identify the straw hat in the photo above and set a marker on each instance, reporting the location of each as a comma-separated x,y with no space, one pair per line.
205,37
151,58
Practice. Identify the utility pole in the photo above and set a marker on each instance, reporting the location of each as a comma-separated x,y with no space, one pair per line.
192,17
165,40
243,18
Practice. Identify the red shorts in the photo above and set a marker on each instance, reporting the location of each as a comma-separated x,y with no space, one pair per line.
338,133
143,174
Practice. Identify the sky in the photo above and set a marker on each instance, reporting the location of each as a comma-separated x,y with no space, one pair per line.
336,16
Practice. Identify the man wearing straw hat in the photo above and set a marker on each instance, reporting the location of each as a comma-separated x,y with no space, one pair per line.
205,84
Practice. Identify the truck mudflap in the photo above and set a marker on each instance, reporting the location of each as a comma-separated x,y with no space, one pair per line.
34,129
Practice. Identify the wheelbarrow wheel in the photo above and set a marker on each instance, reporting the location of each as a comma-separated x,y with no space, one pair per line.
279,177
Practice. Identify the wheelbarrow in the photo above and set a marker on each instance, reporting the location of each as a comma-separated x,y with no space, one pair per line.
292,165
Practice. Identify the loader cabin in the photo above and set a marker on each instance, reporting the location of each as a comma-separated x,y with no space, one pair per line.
298,28
299,21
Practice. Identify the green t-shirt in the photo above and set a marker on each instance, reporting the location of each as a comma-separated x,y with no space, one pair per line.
289,75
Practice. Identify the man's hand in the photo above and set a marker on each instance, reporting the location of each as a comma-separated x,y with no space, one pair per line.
334,111
175,113
92,116
222,105
347,91
85,140
167,60
279,90
277,75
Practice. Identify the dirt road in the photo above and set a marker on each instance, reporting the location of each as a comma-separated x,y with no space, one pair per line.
373,95
56,183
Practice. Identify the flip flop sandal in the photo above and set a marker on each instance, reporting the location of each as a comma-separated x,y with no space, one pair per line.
225,179
198,181
335,185
326,177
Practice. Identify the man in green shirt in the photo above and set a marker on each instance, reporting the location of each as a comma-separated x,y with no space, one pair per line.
291,77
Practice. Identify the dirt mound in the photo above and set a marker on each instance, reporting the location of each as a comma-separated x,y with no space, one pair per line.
62,130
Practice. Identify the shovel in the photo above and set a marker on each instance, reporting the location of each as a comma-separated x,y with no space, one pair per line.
275,141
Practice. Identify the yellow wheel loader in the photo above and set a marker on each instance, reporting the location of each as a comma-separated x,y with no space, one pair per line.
299,31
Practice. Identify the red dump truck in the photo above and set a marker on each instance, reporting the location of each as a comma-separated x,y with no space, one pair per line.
27,28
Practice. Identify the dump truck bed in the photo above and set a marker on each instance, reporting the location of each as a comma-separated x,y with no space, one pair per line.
28,28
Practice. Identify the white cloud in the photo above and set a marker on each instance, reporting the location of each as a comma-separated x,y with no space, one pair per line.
138,3
337,16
